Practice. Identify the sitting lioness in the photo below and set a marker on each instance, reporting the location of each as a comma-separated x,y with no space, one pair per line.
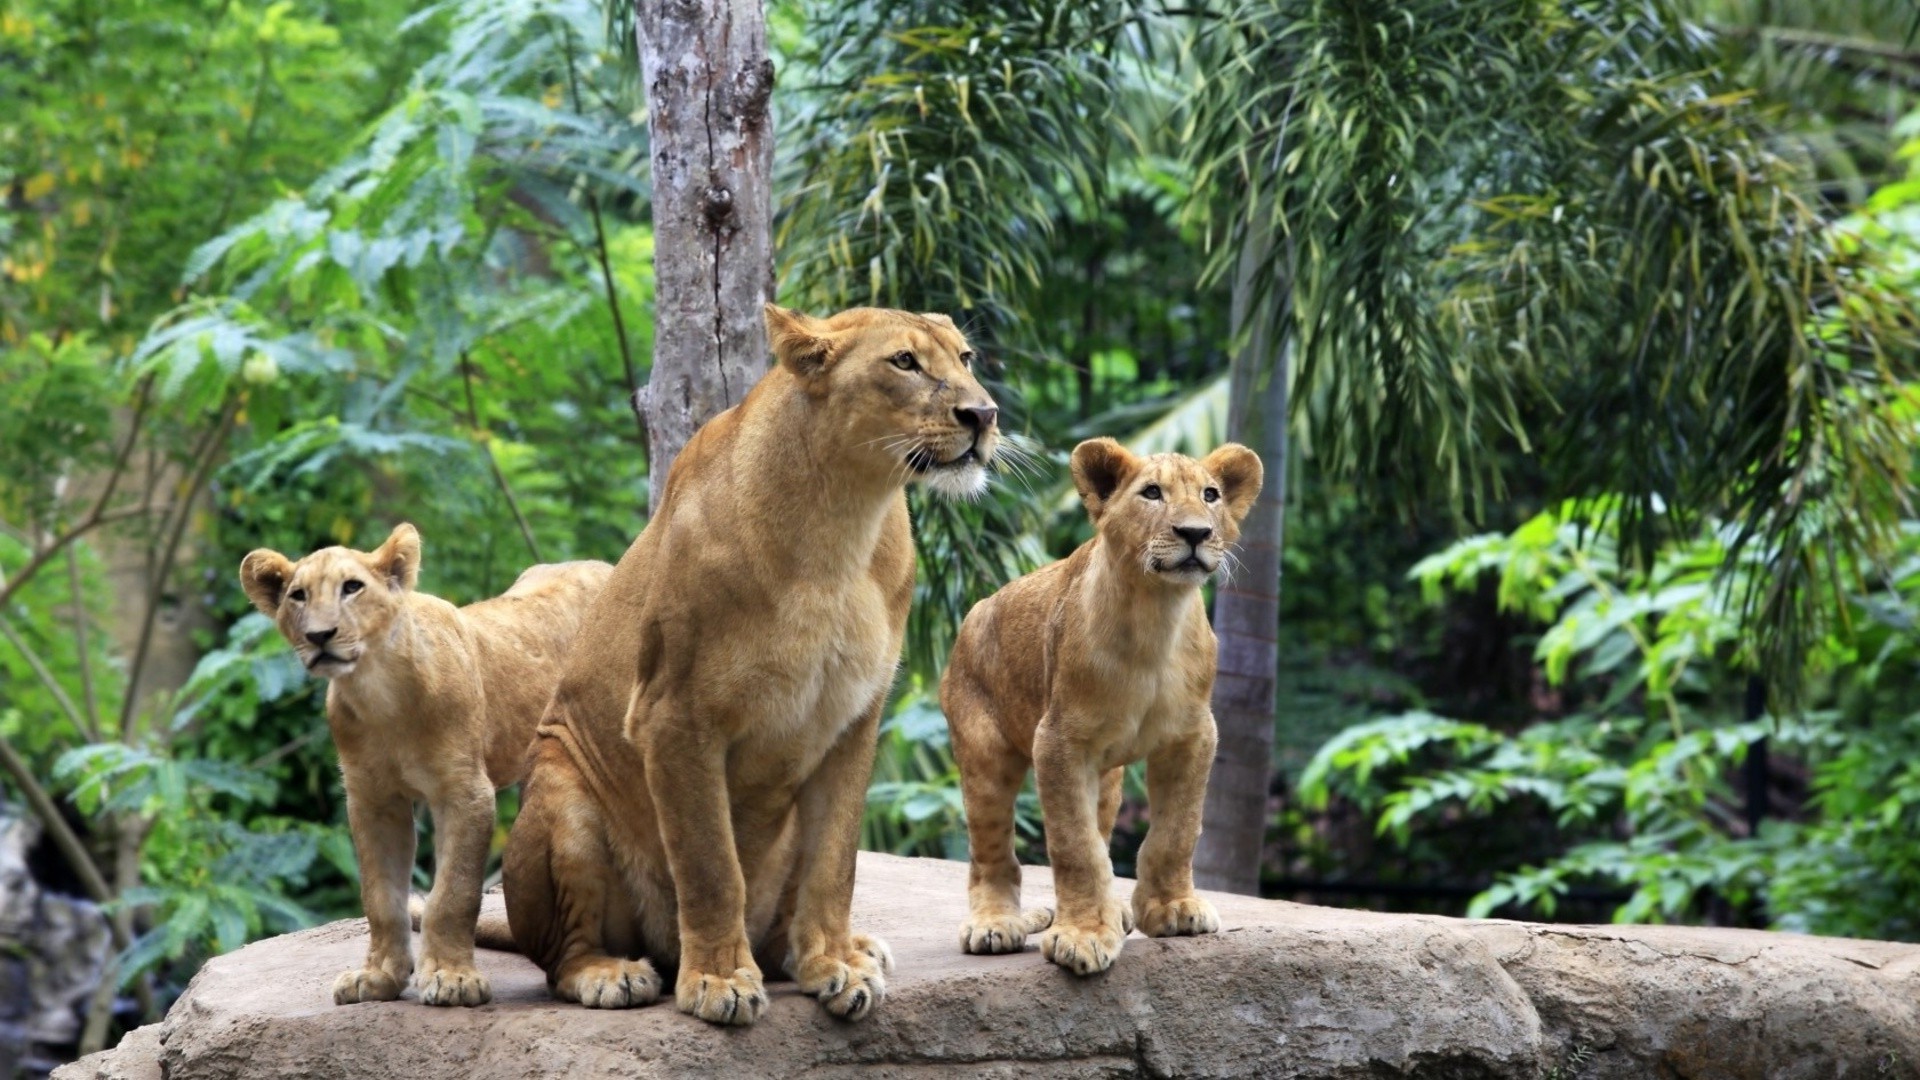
1077,670
428,702
699,778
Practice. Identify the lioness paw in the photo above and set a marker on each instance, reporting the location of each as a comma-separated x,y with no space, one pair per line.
737,999
612,984
849,987
1083,950
453,985
366,984
1002,931
1172,918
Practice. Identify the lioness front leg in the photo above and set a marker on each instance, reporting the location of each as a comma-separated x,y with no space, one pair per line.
1090,925
381,824
845,970
687,775
1164,903
462,828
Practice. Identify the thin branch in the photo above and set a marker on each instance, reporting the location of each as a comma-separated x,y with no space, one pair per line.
486,446
600,257
81,644
204,457
64,837
81,723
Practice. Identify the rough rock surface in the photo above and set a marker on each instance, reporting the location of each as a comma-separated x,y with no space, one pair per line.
1285,990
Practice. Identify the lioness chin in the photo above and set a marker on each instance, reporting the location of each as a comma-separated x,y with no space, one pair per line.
1077,670
699,777
427,703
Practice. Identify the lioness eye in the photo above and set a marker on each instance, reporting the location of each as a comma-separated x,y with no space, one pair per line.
1151,491
904,361
1211,494
967,358
353,585
298,596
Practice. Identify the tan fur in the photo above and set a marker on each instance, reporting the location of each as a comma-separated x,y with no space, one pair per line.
699,779
1079,669
427,703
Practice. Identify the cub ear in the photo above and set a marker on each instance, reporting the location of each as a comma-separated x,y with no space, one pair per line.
399,557
1100,466
263,575
799,342
1240,474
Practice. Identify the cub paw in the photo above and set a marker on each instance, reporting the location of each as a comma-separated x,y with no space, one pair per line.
453,985
737,999
1003,931
848,987
612,984
366,984
1083,950
1174,918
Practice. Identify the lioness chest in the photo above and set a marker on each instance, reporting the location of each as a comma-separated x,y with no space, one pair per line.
816,661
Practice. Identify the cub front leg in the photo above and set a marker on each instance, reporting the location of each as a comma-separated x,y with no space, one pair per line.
462,830
1088,928
845,970
687,776
1164,903
381,823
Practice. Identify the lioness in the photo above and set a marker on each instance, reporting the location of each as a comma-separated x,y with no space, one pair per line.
699,777
427,702
1080,668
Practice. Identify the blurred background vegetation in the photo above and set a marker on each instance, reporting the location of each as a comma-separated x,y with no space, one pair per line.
1597,317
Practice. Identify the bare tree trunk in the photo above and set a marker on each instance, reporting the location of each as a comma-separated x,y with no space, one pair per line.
1246,609
708,84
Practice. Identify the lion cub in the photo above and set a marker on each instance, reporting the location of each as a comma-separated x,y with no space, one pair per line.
428,702
1080,668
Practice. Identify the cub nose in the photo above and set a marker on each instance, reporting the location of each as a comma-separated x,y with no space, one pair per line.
977,417
321,637
1192,534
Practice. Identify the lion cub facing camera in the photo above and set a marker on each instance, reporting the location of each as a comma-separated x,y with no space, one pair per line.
427,702
1078,669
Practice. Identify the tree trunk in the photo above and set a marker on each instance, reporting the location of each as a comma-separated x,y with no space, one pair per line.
708,83
1246,608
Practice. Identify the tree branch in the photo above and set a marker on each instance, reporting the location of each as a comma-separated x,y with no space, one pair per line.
486,447
81,644
81,723
64,837
204,456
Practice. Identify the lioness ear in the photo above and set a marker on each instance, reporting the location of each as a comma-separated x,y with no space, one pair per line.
798,341
1100,466
1241,476
399,557
263,575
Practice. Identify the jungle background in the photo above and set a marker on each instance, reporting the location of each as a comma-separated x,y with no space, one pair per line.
1586,329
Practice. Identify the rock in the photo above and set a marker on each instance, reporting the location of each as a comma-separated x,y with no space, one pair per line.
1285,990
53,950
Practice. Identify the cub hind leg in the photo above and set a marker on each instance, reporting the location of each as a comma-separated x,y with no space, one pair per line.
991,771
564,891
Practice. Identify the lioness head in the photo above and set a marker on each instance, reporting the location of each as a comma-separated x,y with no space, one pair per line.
897,389
333,604
1178,516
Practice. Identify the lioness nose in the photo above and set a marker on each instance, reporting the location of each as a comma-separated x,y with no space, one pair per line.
321,637
977,417
1192,534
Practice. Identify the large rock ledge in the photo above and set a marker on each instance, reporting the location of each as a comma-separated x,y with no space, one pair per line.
1285,990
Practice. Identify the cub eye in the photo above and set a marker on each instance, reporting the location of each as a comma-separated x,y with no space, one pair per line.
1212,494
298,596
1151,491
903,360
966,358
351,586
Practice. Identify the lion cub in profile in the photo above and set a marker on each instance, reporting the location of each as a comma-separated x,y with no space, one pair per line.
427,702
1078,669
